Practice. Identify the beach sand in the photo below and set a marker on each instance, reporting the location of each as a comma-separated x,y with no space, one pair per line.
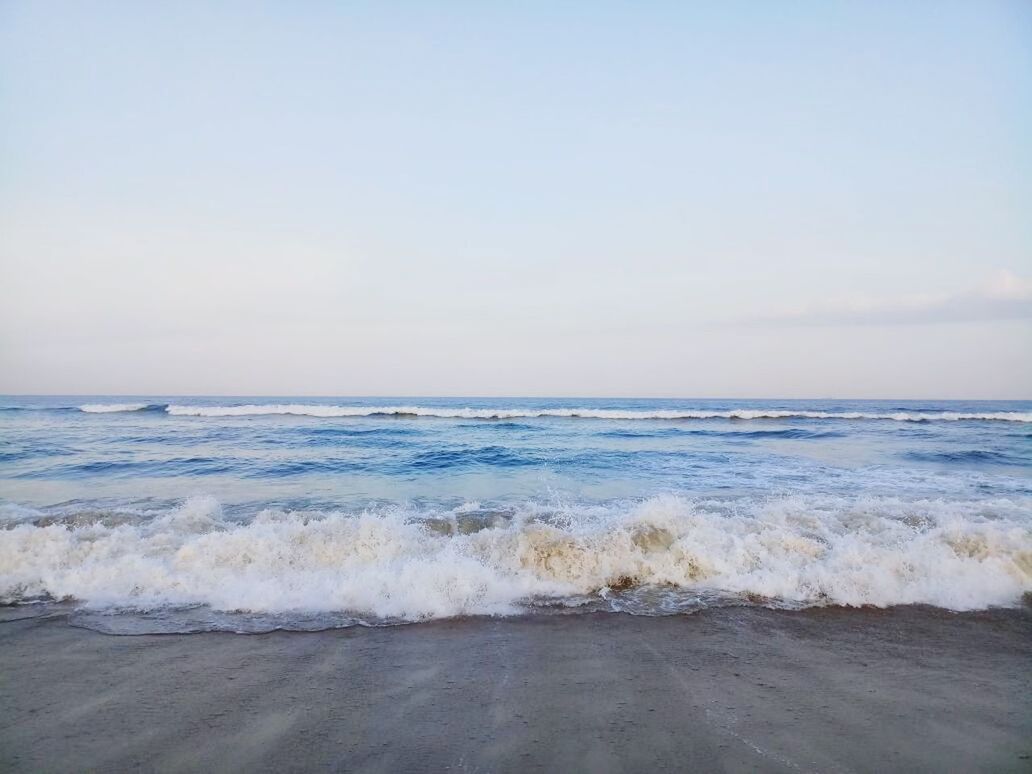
746,689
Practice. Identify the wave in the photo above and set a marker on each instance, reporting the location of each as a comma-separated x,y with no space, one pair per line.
396,565
983,456
114,408
182,466
39,408
789,433
318,410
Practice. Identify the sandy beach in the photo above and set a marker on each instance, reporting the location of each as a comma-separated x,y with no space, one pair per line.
906,689
515,387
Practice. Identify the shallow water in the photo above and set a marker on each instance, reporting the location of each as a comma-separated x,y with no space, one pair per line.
185,514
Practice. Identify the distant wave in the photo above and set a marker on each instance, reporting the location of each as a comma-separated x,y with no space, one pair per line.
791,433
112,408
40,408
393,564
317,410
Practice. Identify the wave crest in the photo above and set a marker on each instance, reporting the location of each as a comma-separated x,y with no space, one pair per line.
797,551
112,408
318,410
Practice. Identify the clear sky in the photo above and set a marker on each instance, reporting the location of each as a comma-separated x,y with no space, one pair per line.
790,199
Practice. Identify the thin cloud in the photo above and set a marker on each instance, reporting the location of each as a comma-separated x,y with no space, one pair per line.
1004,296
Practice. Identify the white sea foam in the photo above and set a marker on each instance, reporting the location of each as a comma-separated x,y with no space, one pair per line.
111,408
794,550
318,410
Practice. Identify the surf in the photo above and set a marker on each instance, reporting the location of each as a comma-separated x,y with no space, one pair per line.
332,411
407,565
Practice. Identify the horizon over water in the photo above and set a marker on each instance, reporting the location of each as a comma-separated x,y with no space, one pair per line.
250,513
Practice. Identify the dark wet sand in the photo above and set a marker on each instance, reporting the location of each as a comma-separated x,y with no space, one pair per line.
726,690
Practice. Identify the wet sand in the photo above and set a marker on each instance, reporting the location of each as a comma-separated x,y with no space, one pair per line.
726,690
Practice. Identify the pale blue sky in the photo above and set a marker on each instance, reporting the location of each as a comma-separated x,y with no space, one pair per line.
721,199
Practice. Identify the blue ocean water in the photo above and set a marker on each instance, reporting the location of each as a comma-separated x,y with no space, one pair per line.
250,513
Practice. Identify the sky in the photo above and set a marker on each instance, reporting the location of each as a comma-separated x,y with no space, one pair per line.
733,199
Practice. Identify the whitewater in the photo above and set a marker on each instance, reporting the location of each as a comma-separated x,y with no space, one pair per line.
169,514
318,410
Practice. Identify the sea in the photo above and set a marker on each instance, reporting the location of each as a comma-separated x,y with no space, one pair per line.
152,514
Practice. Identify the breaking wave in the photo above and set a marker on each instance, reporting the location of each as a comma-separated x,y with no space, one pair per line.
113,408
399,565
317,410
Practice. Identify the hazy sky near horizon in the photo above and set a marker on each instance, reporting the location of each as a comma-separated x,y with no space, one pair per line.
655,199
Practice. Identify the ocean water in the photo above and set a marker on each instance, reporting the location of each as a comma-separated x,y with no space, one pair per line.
151,514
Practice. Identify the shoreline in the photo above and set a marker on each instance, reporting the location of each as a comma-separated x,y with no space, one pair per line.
732,689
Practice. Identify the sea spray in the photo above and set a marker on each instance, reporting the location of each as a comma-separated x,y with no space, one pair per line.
411,565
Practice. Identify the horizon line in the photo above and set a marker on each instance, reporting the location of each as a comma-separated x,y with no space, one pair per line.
495,397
